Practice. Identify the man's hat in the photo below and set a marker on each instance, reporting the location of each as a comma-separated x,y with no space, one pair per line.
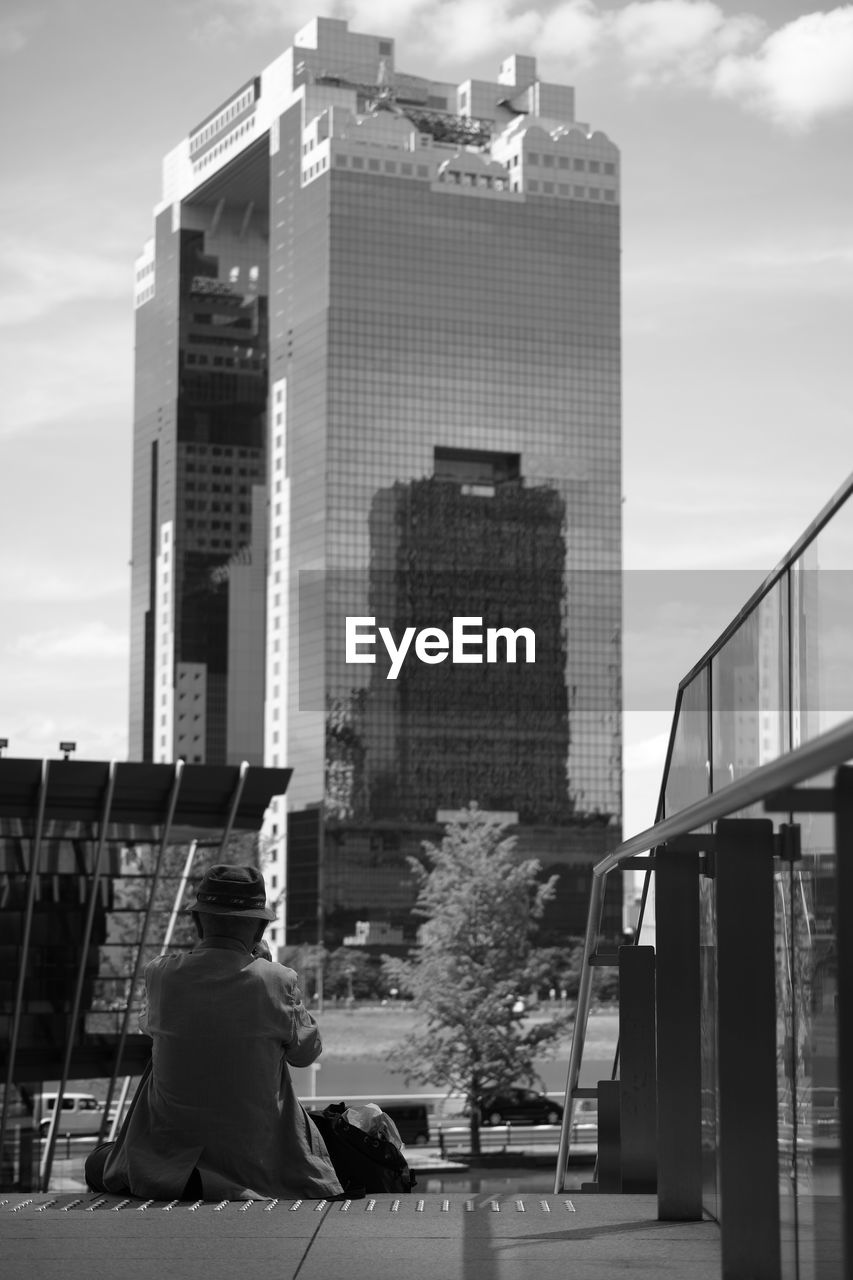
233,891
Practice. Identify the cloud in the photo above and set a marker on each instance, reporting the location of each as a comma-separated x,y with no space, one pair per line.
794,76
91,640
479,27
253,17
84,376
450,32
37,279
16,30
573,32
794,258
792,271
28,582
800,74
36,734
678,40
646,753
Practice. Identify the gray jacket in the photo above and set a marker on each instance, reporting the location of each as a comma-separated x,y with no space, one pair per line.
224,1026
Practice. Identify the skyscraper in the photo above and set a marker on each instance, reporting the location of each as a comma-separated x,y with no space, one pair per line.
378,378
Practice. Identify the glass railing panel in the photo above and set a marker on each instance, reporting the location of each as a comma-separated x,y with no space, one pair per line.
688,780
822,634
808,1083
688,776
750,722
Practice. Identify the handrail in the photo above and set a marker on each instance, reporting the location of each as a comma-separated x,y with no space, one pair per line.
812,758
790,558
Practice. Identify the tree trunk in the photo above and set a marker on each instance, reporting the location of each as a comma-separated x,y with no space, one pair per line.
474,1113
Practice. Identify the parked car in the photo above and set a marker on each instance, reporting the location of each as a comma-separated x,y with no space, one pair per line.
80,1113
519,1106
818,1118
584,1129
823,1104
412,1121
819,1111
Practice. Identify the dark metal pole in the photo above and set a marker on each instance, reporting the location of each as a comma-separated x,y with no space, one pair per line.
593,928
18,1007
235,804
146,924
844,925
748,1153
638,1070
679,1062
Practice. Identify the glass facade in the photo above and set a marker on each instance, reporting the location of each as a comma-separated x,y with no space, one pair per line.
199,576
426,378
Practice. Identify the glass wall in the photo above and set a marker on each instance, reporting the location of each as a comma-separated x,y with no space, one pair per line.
807,1044
778,677
688,776
750,723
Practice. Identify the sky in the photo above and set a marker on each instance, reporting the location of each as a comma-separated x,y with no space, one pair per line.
735,124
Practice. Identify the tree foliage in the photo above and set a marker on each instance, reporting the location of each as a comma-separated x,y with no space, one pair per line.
558,969
347,973
474,960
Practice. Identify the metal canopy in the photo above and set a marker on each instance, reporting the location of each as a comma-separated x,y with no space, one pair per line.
141,795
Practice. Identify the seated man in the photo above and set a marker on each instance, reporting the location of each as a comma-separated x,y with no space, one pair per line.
217,1116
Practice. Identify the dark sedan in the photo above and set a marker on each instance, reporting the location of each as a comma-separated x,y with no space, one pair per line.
519,1106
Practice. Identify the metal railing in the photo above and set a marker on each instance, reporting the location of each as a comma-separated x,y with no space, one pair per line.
808,761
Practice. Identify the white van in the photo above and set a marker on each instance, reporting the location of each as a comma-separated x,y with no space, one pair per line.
80,1113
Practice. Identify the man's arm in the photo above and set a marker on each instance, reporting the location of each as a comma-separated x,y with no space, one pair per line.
151,973
301,1039
143,1008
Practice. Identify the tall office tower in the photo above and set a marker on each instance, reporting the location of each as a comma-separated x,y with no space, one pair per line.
379,379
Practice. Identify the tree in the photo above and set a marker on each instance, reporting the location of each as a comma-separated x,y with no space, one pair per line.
351,974
474,960
559,968
309,960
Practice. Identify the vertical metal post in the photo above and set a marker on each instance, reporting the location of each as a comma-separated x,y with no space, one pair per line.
746,1050
167,938
609,1164
235,804
844,916
47,1158
185,875
593,928
18,1007
321,878
637,1070
679,1078
137,964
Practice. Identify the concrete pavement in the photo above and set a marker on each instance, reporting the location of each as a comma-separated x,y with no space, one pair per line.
383,1237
